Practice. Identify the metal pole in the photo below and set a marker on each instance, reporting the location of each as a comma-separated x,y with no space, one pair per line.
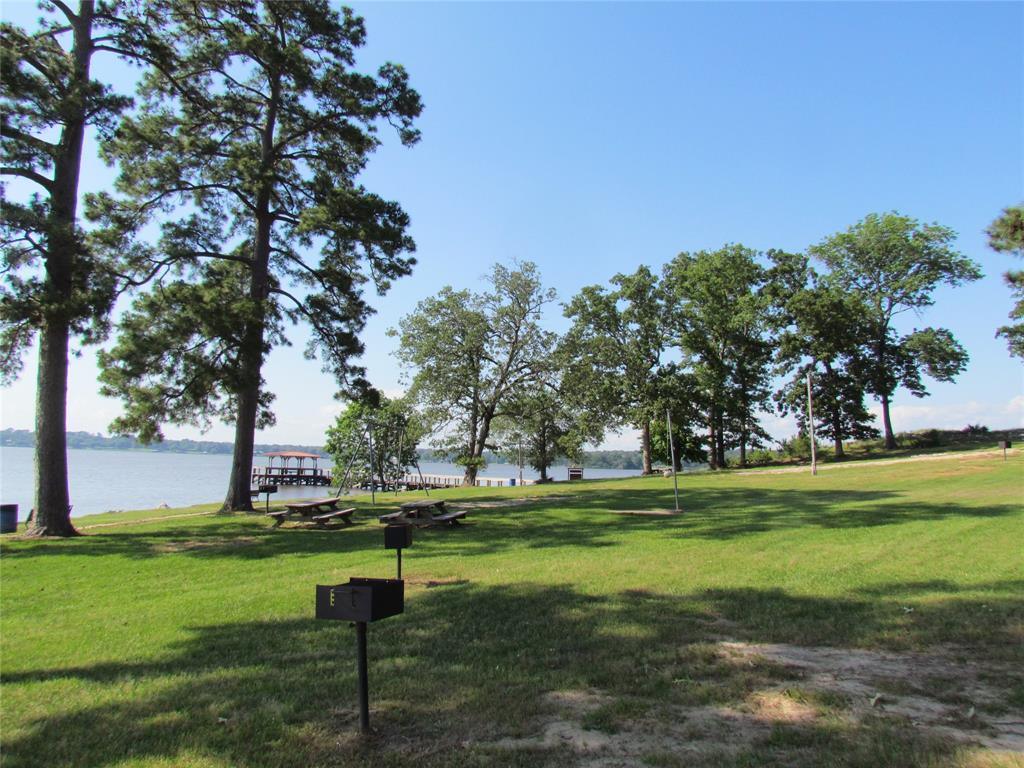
520,461
423,483
373,482
399,551
672,452
364,685
810,421
401,466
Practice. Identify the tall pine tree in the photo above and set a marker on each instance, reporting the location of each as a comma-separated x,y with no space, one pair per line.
250,151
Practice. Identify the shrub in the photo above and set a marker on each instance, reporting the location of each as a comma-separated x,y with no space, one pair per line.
760,457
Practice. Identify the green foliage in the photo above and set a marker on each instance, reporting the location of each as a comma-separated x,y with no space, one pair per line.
1006,235
177,357
891,264
396,431
613,373
825,334
798,447
474,355
52,274
720,316
537,427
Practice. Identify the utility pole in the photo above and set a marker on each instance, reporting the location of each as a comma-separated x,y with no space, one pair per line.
810,422
520,460
672,453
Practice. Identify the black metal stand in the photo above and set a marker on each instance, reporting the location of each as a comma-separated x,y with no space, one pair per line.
364,685
399,551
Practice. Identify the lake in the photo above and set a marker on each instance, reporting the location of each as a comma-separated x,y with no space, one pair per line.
104,481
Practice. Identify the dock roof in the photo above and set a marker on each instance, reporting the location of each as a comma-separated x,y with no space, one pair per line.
293,454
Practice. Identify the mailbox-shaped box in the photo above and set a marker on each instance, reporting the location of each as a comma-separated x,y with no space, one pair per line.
1004,444
360,599
397,536
268,489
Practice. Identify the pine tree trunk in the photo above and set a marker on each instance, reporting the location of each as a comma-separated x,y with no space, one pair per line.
645,447
251,359
890,438
52,515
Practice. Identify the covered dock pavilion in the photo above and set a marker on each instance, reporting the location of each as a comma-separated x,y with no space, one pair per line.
290,468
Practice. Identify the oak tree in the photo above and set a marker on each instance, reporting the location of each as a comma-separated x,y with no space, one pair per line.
472,354
613,354
892,264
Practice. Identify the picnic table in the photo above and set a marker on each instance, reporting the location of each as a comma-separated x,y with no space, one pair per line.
423,513
321,511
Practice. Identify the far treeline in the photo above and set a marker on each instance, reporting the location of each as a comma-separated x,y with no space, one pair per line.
23,438
237,211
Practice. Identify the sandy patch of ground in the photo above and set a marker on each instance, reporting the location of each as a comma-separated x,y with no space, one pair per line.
832,683
646,512
935,691
963,456
144,520
194,545
516,502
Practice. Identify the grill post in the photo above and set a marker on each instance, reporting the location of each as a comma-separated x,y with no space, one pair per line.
364,685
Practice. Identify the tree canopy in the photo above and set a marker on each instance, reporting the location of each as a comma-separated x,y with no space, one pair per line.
473,354
892,264
613,354
1006,235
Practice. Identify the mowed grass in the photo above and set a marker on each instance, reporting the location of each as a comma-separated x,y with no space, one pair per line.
190,641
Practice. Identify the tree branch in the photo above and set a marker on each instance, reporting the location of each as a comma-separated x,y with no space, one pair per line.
38,178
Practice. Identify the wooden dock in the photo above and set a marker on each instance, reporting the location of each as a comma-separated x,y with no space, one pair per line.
412,481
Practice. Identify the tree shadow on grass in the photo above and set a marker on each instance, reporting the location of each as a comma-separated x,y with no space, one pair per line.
566,522
465,666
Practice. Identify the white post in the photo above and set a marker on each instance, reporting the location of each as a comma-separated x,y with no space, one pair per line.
373,481
810,422
672,453
520,461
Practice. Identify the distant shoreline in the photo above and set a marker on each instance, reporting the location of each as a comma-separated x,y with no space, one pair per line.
23,438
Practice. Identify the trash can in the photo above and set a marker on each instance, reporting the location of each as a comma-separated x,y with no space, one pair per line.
8,518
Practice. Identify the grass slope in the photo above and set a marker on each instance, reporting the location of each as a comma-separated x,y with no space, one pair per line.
188,641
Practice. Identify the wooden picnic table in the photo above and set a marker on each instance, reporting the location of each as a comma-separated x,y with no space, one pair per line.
423,512
321,510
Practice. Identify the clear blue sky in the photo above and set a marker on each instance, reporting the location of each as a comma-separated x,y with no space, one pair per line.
591,138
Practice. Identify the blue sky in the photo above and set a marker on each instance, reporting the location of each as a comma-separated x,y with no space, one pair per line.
591,138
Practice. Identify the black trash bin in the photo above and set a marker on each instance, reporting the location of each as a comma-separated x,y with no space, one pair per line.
8,518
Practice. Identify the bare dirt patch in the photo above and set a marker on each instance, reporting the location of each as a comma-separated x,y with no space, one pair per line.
516,502
194,545
646,512
938,695
868,680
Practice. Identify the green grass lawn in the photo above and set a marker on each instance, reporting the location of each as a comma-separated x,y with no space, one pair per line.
551,632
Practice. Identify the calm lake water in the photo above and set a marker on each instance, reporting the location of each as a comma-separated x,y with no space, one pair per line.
103,481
